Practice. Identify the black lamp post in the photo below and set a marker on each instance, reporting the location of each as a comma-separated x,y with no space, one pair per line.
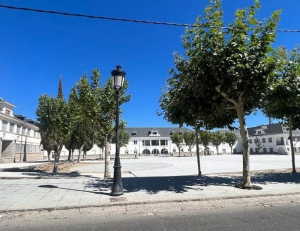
118,80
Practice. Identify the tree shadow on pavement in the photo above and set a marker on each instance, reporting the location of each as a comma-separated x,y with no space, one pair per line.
180,184
54,175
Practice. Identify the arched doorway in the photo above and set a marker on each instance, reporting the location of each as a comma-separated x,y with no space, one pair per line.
164,151
281,151
155,151
146,151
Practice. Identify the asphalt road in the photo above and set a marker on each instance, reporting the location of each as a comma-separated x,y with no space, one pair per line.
266,217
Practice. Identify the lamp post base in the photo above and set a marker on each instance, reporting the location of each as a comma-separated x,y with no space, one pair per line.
117,189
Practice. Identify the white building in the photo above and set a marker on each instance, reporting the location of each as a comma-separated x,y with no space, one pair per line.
274,140
18,136
156,141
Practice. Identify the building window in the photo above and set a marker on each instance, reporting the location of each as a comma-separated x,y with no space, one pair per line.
23,131
19,129
163,142
146,142
135,151
265,150
28,131
256,150
270,140
135,141
126,151
251,150
154,142
250,141
11,127
4,125
133,133
271,150
264,140
258,132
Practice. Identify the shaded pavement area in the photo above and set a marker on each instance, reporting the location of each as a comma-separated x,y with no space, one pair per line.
73,191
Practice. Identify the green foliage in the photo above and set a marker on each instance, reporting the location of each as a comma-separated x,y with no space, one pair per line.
55,125
107,103
60,94
189,139
177,139
230,138
282,101
258,144
223,70
217,138
123,138
205,137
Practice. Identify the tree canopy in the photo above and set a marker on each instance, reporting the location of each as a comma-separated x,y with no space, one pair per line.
225,70
282,100
54,124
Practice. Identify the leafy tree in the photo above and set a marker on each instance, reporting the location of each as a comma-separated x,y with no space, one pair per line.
47,143
282,101
177,139
182,104
206,138
107,103
73,142
217,138
123,138
258,144
231,139
86,115
87,147
54,123
60,91
231,67
189,139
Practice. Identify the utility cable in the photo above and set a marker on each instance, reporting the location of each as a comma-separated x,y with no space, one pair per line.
116,19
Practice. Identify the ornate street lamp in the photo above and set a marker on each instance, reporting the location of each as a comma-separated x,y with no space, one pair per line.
118,81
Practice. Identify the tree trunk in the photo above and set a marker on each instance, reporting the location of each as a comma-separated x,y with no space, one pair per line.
56,160
107,160
72,155
179,150
245,145
69,156
292,144
197,150
48,154
55,167
84,155
231,150
79,154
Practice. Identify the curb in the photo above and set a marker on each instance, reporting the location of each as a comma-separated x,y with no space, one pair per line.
146,203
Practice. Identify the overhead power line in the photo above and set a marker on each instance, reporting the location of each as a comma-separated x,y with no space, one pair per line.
116,19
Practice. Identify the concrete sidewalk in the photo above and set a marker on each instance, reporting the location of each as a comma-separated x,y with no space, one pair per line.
66,191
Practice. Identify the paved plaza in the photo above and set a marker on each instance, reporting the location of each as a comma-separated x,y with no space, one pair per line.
146,180
182,166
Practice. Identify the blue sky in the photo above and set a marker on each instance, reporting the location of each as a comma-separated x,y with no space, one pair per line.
36,49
